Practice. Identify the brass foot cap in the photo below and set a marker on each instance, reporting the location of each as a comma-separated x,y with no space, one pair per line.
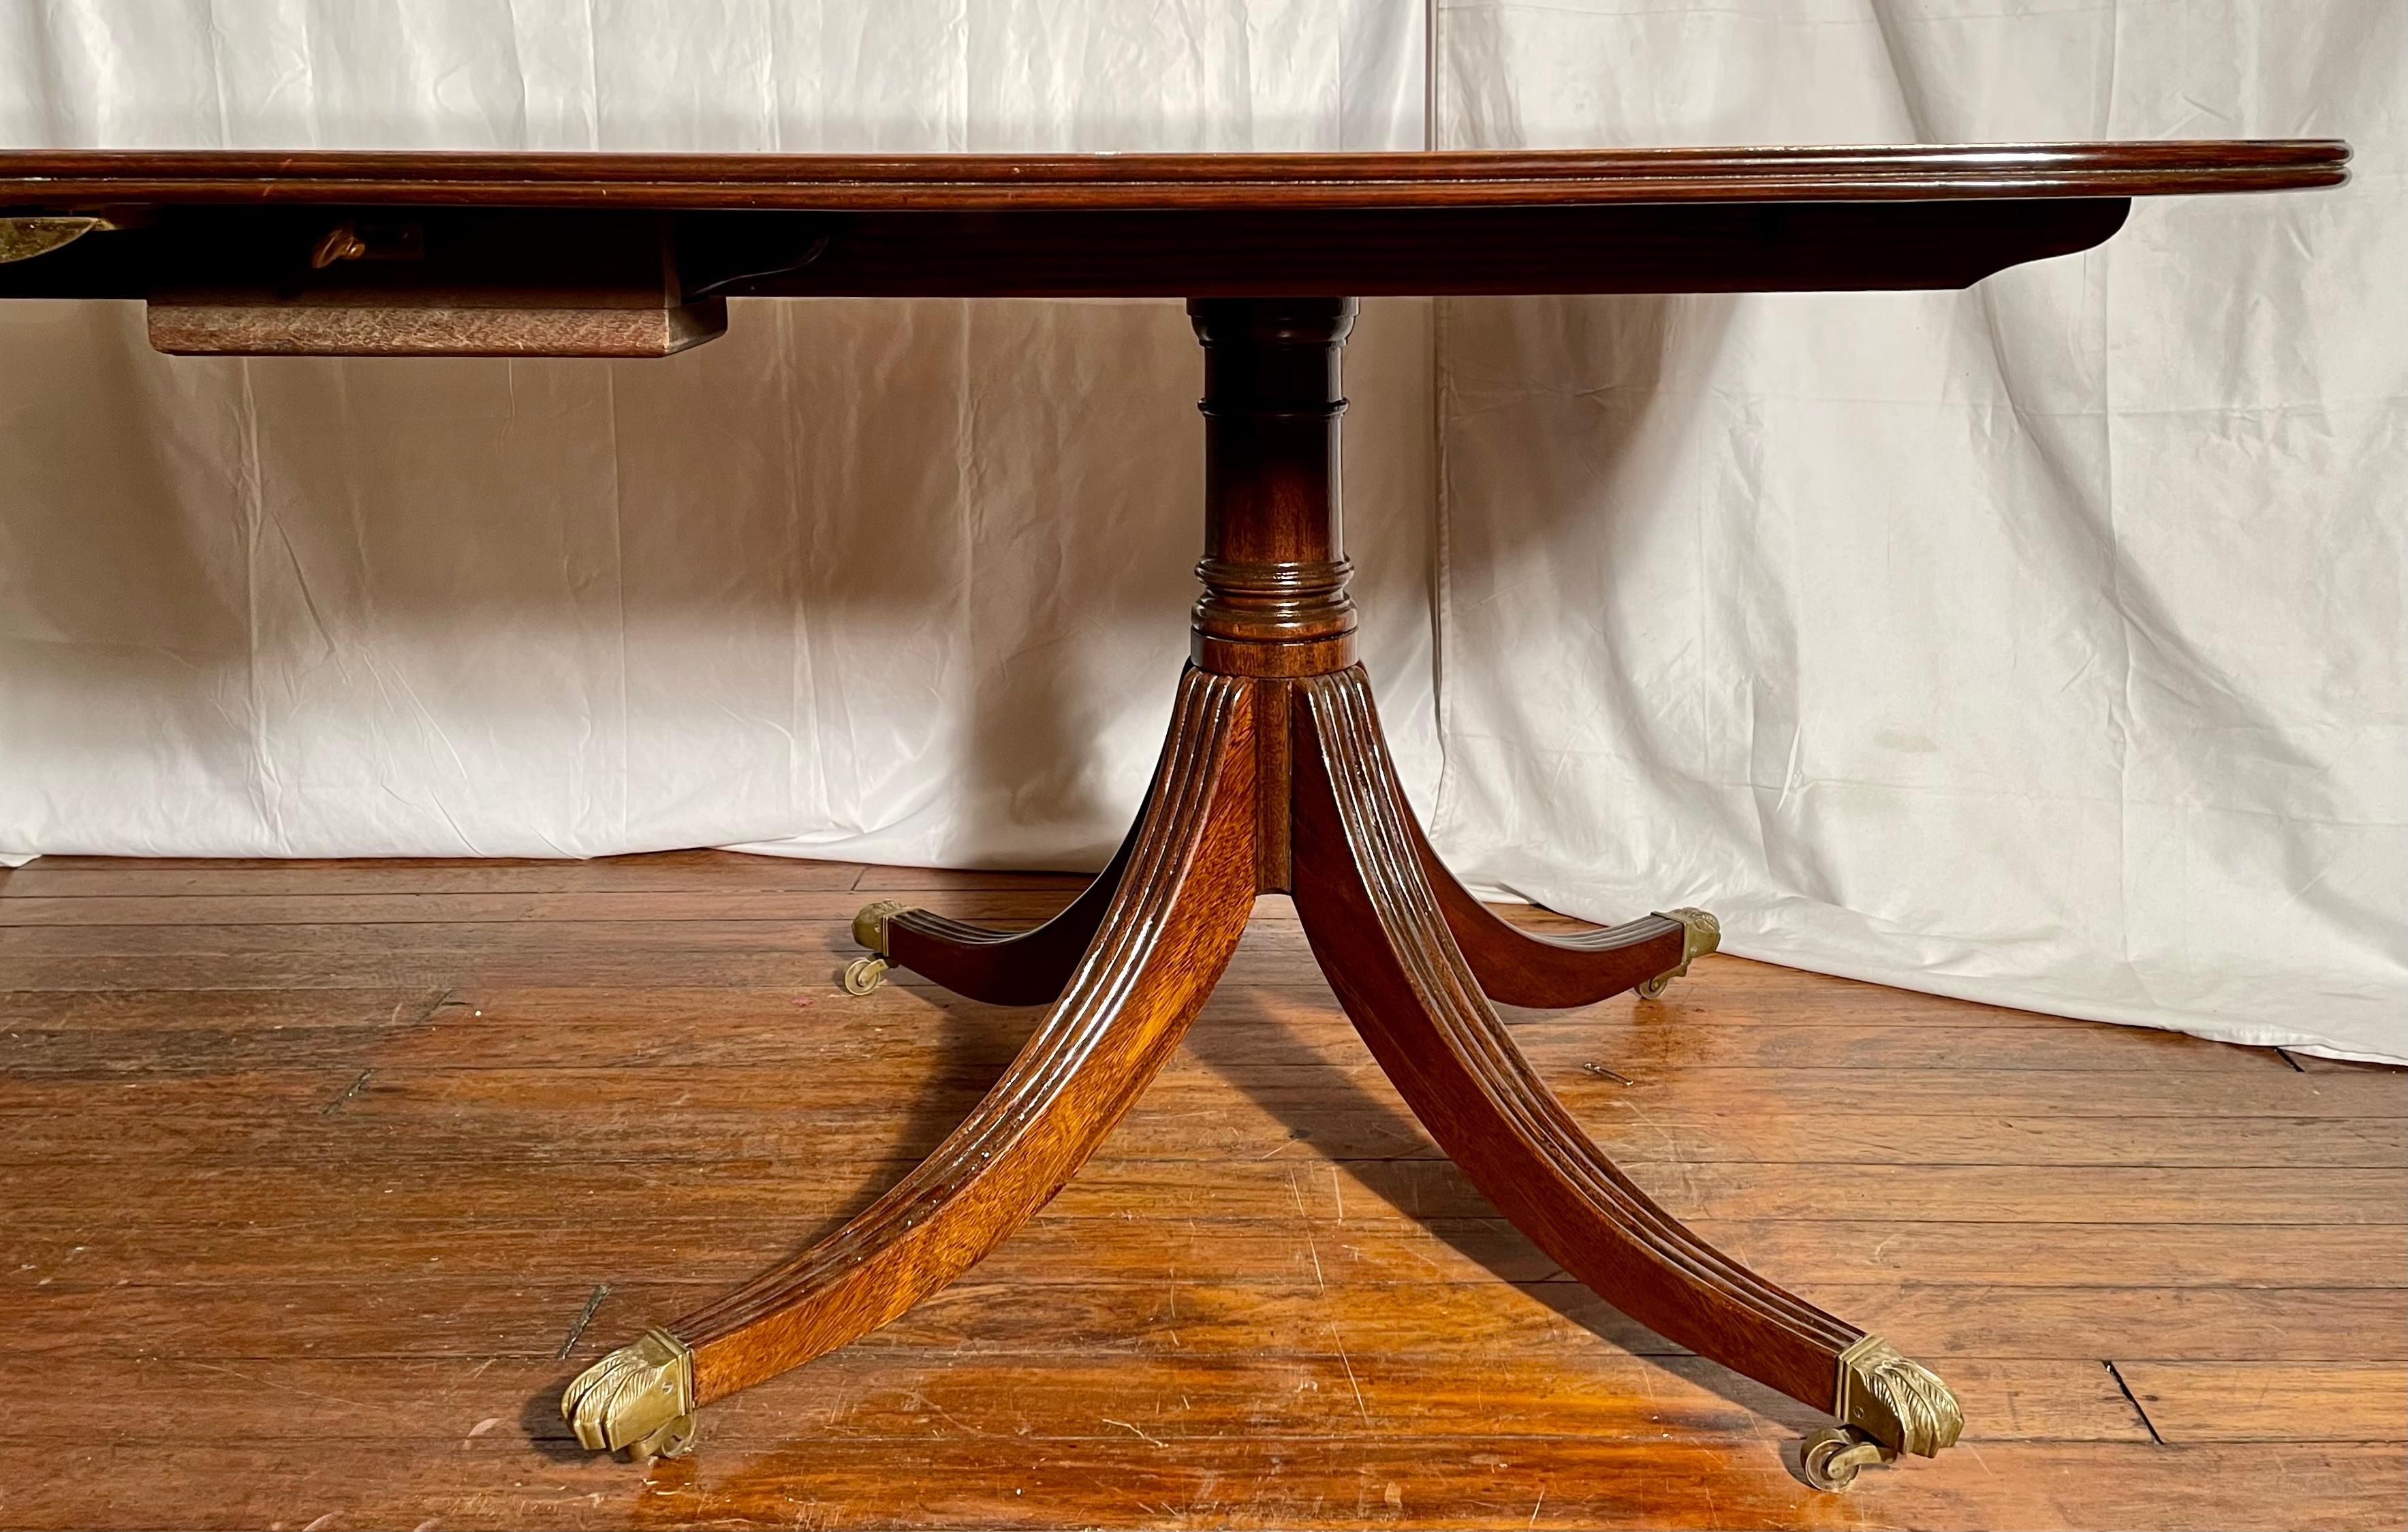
864,974
1901,1404
870,923
638,1400
1701,933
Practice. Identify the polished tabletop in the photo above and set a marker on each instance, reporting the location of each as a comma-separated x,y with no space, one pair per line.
208,232
1223,181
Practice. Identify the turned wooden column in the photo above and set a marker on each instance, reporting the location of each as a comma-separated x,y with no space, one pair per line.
1274,570
1274,567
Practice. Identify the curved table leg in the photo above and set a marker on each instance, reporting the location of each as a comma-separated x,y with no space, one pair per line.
1027,968
1378,928
1518,967
1169,930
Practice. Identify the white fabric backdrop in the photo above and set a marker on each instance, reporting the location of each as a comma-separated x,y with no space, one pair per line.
896,582
2041,644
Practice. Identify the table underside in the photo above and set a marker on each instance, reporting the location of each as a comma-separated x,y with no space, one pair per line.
537,258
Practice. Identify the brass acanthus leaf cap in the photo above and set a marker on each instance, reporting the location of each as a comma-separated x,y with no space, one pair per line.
1899,1403
639,1399
1701,933
869,925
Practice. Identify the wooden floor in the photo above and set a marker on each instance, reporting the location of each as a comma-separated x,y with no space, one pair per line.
322,1178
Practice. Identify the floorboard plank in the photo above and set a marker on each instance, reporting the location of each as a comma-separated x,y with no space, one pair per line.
367,1313
44,1118
905,1393
488,1480
78,877
1340,1195
2289,1400
233,1029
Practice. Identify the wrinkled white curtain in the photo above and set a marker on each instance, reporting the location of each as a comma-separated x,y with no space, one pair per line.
901,581
2041,644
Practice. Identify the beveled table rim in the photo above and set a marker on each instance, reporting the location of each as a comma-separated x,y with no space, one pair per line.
64,178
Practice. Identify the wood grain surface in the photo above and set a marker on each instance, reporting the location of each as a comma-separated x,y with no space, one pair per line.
321,1178
48,177
249,231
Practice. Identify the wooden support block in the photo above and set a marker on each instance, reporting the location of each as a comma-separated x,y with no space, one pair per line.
197,326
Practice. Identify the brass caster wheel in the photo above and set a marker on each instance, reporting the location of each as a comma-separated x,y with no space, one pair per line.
1703,934
864,974
1833,1457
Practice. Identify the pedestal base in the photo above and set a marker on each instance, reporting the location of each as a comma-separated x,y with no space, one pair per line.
1275,779
1414,960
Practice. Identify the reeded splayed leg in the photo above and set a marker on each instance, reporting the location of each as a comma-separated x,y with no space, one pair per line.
1518,967
1375,922
1001,967
1168,933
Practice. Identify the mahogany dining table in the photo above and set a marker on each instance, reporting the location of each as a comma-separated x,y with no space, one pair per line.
1275,777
